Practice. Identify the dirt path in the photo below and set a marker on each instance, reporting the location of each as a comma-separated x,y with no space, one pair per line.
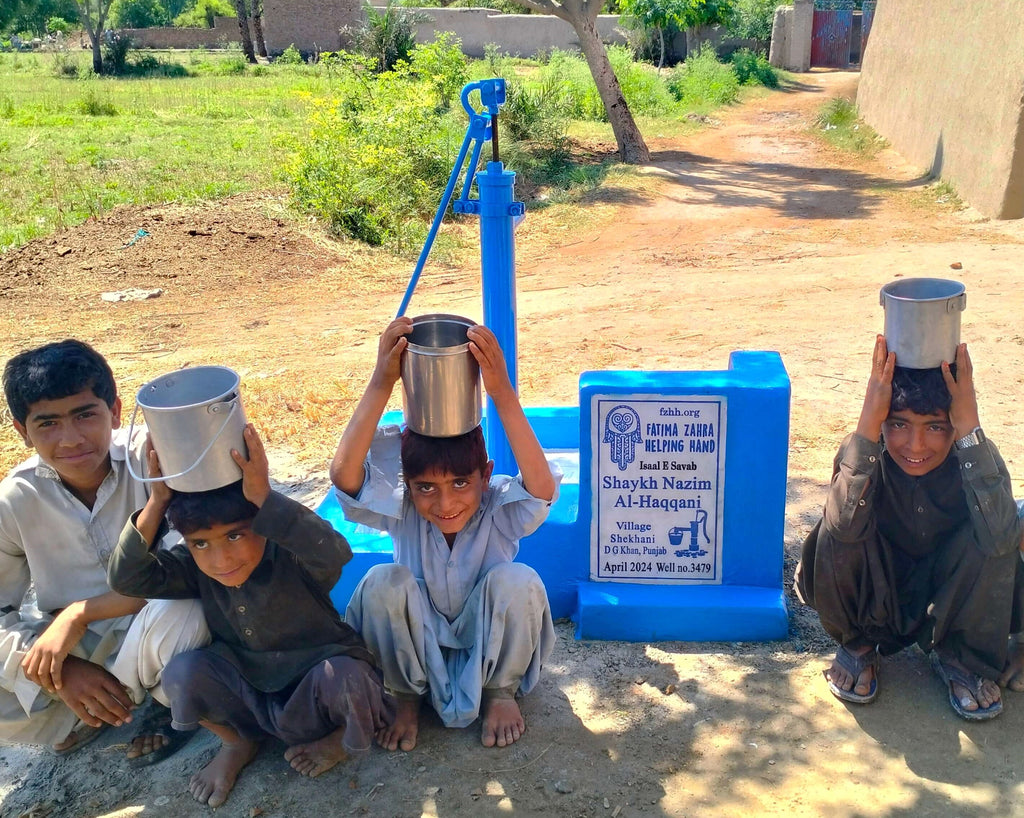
748,235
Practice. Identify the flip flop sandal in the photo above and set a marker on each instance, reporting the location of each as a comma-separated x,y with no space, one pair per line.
86,733
157,722
855,665
953,675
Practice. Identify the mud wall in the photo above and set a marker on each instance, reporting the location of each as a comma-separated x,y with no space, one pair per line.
225,30
947,90
309,25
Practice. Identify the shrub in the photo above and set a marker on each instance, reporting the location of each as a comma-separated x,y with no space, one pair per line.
375,160
115,53
57,24
92,105
137,14
753,69
837,118
64,65
702,81
202,13
290,56
752,19
442,65
386,37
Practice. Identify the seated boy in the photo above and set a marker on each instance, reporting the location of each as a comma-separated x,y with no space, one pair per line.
919,539
281,661
454,616
84,660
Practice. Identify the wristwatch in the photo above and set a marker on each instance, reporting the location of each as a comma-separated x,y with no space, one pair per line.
975,437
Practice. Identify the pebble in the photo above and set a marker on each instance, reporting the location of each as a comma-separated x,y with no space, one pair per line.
563,787
161,801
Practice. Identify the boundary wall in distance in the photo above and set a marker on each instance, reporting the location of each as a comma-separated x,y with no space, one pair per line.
947,90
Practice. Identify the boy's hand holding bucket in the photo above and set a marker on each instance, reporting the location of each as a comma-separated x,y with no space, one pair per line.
255,468
963,409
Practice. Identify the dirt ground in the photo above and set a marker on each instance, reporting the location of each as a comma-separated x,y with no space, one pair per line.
750,234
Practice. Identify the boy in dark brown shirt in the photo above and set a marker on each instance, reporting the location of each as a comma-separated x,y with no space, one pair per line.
281,661
919,539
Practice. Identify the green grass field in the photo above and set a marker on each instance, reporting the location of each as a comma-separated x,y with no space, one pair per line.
71,148
74,145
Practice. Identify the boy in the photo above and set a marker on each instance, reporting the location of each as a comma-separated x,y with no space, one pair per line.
281,661
84,660
454,615
919,539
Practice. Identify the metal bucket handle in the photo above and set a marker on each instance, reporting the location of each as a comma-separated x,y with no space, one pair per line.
954,303
214,408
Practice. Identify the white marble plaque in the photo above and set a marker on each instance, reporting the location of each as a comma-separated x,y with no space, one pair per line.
658,481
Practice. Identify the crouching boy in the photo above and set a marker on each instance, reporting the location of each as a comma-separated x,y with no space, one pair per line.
454,617
82,656
281,661
919,539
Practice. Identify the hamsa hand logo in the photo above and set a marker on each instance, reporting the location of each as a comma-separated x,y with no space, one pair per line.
622,433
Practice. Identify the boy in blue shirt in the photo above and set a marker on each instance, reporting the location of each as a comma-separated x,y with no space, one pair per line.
454,617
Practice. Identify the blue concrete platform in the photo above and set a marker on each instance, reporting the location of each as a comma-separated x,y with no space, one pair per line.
745,601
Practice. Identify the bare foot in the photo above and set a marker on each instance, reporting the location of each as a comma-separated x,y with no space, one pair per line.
402,732
1013,674
212,784
843,679
503,722
318,756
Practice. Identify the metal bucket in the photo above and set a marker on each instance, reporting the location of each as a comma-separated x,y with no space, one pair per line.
195,419
922,320
440,377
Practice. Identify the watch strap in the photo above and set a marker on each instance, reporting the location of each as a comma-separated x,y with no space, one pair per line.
973,438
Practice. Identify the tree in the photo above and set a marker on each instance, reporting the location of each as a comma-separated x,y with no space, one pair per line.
243,29
93,16
654,15
137,14
698,16
582,16
257,27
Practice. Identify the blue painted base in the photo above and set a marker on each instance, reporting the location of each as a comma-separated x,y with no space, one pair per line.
703,613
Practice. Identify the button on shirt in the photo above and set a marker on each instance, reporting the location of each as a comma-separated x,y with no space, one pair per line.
47,535
507,513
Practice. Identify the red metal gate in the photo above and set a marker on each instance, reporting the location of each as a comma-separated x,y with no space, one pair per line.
831,32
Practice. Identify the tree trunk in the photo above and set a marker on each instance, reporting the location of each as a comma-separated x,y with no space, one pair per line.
632,148
243,30
257,27
97,55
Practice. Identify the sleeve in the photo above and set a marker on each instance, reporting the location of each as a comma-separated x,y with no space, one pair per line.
311,540
14,571
379,504
517,513
137,570
849,507
989,494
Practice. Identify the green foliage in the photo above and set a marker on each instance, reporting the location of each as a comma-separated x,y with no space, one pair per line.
840,126
377,156
753,69
64,65
442,65
386,37
501,6
752,19
57,24
92,105
137,14
290,56
703,82
115,53
31,16
202,13
706,13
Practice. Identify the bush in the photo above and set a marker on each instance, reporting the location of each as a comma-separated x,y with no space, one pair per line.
92,105
57,24
202,13
386,37
376,159
442,65
115,53
753,69
704,82
752,19
137,14
290,56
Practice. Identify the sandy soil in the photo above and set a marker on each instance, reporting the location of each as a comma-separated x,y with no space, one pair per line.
748,235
